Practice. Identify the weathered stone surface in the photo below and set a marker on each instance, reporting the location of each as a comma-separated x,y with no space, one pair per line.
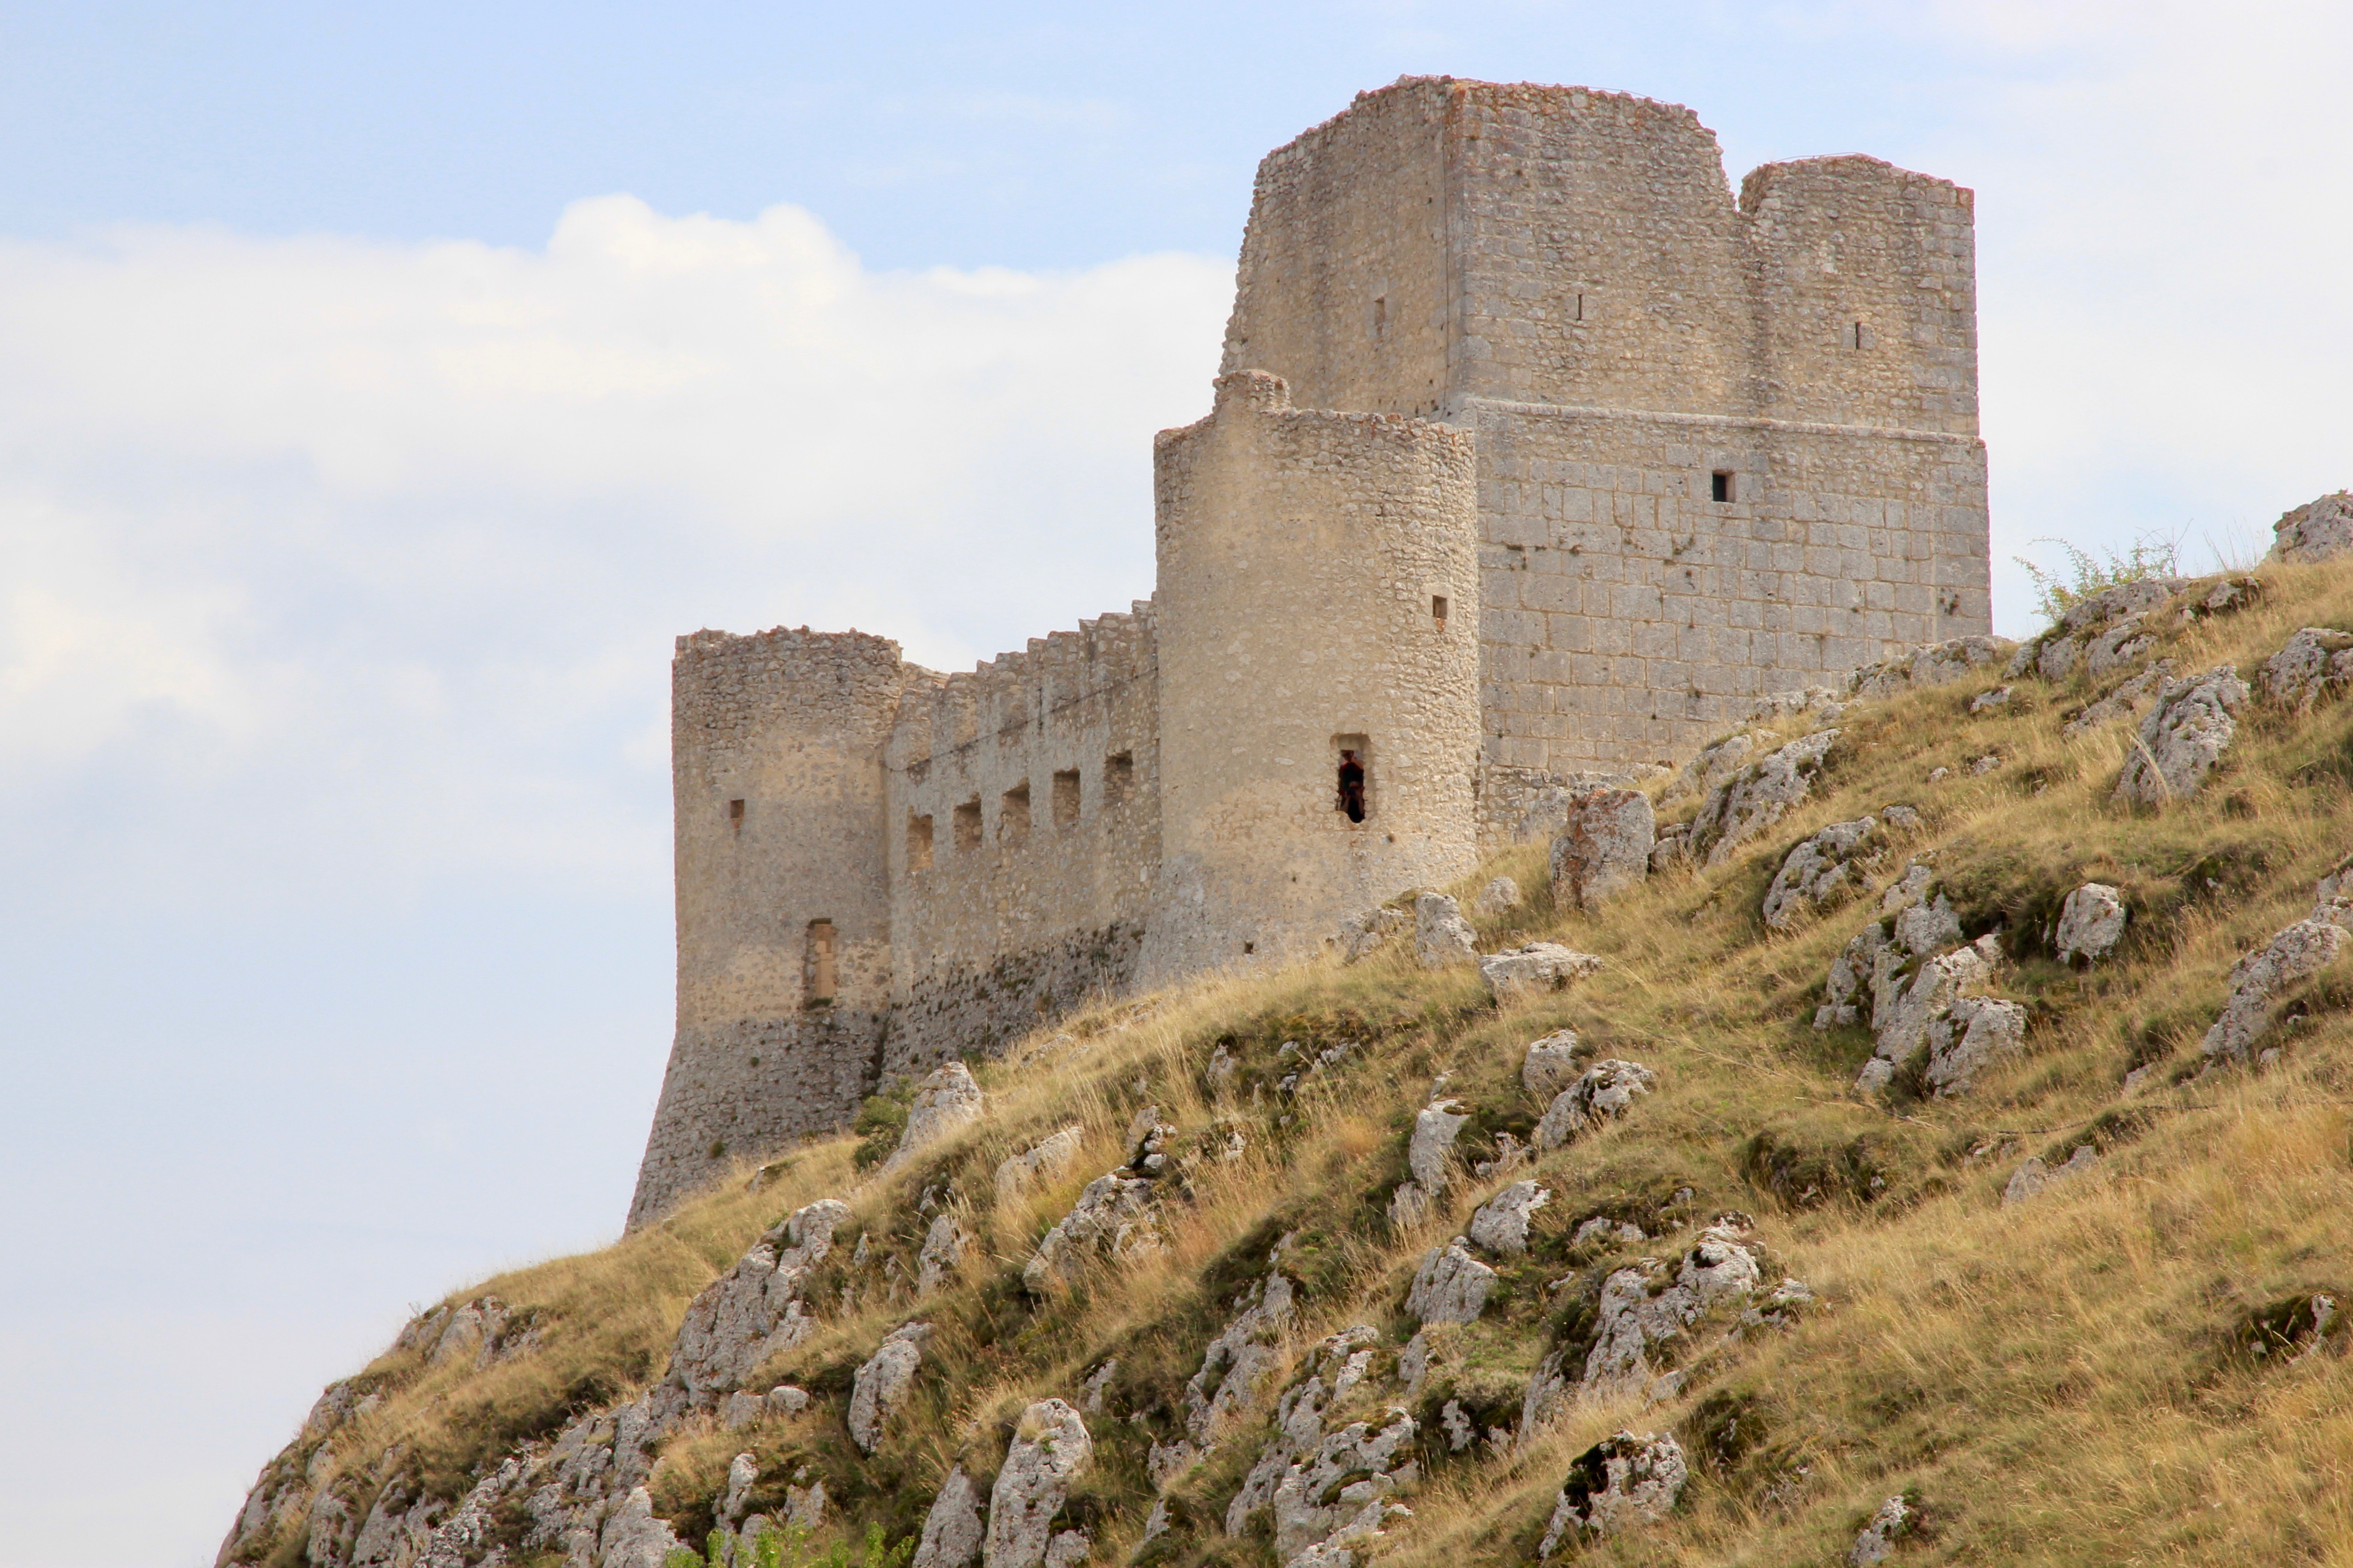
743,1475
1435,1128
1496,898
2192,725
881,1385
1620,1481
754,1310
1360,936
1441,937
952,1530
946,1099
785,1400
1408,1207
2032,1178
1336,1367
1603,847
1635,1316
1940,1012
2257,981
1113,1217
1049,1449
1532,970
1313,1508
1237,1361
2316,531
1550,1064
2315,663
942,1250
1821,870
1046,1163
1500,1223
1866,979
2091,922
1756,796
1967,1036
1719,761
633,1537
1991,701
1876,1541
1450,1286
1069,1549
1601,1093
1938,664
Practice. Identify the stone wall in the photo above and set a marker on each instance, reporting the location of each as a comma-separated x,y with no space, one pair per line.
1302,557
1052,757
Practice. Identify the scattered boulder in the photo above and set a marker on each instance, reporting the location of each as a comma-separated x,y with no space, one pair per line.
1408,1207
882,1382
2091,922
1968,1035
1114,1217
1337,1498
1991,701
1049,1447
754,1310
633,1537
2316,663
1603,848
1523,972
1361,936
2184,736
1896,1520
1550,1064
1917,921
1602,1093
2125,701
1941,1013
1496,900
1756,796
2118,647
1500,1225
1069,1549
951,1531
1718,761
2297,952
1620,1481
1936,664
1045,1162
1337,1367
946,1099
1450,1286
1247,1349
2065,644
1644,1307
1441,937
943,1249
2316,531
1435,1128
2031,1179
1821,870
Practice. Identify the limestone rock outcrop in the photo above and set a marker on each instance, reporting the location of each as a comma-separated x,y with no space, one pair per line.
1603,847
2031,1179
2194,722
1047,1162
1601,1093
882,1384
1049,1449
1943,1013
952,1529
1500,1226
1441,937
2315,665
1496,900
1238,1361
1893,1521
946,1099
1756,796
1435,1128
1624,1479
1527,972
1938,664
1361,936
1550,1064
754,1310
2091,922
1113,1217
2296,953
1451,1287
942,1250
2316,531
1821,870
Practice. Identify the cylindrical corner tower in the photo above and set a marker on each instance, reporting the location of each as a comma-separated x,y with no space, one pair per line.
1318,613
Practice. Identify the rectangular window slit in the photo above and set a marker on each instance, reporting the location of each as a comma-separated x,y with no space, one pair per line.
1352,797
1380,315
918,843
1066,799
1013,816
1438,610
1119,778
735,812
1720,484
967,826
819,966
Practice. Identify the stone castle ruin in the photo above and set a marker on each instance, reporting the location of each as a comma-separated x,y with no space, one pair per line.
1534,452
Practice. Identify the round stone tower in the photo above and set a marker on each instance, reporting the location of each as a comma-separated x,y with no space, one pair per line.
1318,614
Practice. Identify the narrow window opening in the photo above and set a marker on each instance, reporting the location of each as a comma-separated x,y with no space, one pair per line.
1066,799
819,966
1380,315
1013,816
1438,610
918,843
1250,947
1719,484
1576,308
967,826
1856,335
735,813
1119,778
1351,797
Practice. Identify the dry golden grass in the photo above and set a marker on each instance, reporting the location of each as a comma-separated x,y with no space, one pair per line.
2051,1378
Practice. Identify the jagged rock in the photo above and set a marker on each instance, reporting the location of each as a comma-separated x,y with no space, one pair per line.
741,1410
943,1247
2118,647
1672,848
1970,1033
1635,1315
1991,701
785,1400
1601,1093
882,1382
1940,1013
2121,703
1441,937
1602,848
1915,921
1622,1479
1049,1449
1500,1223
946,1099
1601,1227
1247,1349
2316,663
2182,738
1336,1367
633,1537
2091,922
1938,664
1496,898
1069,1549
2056,653
743,1475
951,1531
2031,1179
330,1530
1362,935
1408,1207
1534,970
1046,1163
1821,870
805,1507
1718,761
1450,1286
2297,953
1435,1128
1877,1540
1550,1064
1808,699
1754,798
754,1309
1113,1216
2316,531
1313,1507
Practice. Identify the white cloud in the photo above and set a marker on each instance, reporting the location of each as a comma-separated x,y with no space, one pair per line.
384,546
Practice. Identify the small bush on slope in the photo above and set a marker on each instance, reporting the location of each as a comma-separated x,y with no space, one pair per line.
2066,1379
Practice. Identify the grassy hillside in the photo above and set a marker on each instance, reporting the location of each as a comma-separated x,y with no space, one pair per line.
2087,1377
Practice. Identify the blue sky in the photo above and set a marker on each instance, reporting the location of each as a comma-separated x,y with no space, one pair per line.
381,392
